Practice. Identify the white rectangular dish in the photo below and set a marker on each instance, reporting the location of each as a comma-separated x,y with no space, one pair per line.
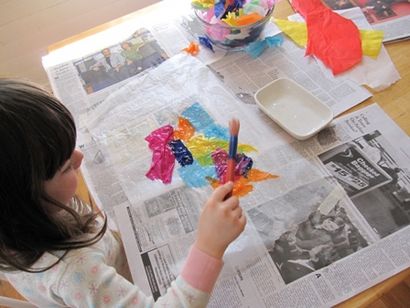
293,108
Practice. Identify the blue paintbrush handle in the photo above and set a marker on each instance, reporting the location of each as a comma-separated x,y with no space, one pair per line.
233,146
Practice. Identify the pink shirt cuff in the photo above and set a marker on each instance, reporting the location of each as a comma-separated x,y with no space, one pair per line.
201,270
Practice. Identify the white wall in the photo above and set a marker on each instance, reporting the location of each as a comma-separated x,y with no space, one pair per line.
28,27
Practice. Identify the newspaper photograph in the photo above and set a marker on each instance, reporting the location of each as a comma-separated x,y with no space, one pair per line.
90,78
83,77
372,177
116,63
315,243
390,16
355,172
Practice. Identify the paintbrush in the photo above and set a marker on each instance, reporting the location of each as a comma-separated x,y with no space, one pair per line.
233,146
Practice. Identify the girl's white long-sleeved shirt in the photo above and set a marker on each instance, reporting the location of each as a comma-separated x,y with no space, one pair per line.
97,276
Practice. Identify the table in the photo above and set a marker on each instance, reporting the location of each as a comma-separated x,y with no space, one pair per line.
395,101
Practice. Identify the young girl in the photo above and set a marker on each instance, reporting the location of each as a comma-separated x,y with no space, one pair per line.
56,253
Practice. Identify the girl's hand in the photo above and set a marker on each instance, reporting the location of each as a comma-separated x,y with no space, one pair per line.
220,223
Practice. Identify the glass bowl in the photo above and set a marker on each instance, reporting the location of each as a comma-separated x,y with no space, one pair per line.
232,37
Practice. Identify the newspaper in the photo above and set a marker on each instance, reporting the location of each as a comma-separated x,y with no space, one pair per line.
244,76
391,17
378,73
334,223
75,75
90,78
158,221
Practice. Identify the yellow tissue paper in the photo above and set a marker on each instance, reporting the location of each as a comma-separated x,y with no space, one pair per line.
230,19
297,31
371,42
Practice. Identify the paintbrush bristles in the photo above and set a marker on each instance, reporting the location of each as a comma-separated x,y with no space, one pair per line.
234,127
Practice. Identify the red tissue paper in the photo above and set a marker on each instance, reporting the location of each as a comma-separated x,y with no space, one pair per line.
332,38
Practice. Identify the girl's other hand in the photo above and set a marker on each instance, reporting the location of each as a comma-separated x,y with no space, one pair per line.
220,223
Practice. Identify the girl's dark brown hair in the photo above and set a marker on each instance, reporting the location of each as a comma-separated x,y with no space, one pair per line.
37,135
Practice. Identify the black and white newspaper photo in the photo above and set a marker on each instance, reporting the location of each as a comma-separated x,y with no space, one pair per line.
372,177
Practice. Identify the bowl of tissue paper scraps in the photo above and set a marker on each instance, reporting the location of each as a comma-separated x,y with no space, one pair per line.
233,24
